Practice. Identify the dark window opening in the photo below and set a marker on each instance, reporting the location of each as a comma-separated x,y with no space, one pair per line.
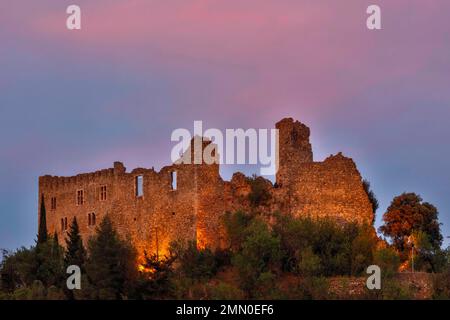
53,203
91,219
80,197
102,193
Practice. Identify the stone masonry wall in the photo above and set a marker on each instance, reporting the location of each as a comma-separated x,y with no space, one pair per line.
193,210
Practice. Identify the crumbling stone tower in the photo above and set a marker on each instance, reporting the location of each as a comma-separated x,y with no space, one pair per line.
332,188
294,148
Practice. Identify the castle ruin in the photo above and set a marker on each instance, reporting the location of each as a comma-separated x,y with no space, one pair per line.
186,201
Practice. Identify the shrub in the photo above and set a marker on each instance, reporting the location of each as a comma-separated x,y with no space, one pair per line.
225,291
260,254
236,225
259,194
195,263
388,260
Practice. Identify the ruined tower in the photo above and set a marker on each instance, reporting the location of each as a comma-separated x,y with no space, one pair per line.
294,148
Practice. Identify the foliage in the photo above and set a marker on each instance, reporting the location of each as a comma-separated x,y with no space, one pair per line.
372,198
42,232
17,269
195,263
236,225
408,214
426,257
388,261
312,288
111,266
155,279
260,255
259,192
75,252
225,291
441,281
49,262
331,248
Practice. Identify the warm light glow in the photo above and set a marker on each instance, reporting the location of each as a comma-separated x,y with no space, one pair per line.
201,239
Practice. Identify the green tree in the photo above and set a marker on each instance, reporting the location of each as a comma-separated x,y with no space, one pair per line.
75,251
259,258
372,198
407,214
388,261
195,263
111,266
17,269
259,191
236,226
155,279
42,233
49,263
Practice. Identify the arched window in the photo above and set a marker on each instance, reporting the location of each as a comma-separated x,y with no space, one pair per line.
93,219
90,219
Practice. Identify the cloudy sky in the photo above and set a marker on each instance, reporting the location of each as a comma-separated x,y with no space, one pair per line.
76,101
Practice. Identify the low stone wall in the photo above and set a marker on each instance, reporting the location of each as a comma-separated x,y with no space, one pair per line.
419,284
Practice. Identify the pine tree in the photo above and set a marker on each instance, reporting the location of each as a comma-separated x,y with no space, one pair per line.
75,253
111,267
42,233
49,262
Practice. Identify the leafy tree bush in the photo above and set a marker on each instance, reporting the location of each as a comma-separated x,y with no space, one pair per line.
259,257
49,259
441,281
388,260
17,269
309,263
195,263
225,291
312,288
408,214
372,198
259,194
155,280
236,225
330,248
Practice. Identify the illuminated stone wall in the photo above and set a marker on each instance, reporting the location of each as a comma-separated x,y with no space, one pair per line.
193,211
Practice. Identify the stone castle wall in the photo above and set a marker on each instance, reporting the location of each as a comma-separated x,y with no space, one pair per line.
192,211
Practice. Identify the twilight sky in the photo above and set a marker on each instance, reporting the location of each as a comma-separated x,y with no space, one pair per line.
76,101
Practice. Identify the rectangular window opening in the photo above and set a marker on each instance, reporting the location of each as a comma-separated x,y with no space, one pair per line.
102,193
53,203
80,197
139,186
173,180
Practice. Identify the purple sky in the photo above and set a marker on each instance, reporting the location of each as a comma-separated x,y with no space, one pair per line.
75,101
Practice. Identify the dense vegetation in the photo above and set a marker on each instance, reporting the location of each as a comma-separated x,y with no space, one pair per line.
267,257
